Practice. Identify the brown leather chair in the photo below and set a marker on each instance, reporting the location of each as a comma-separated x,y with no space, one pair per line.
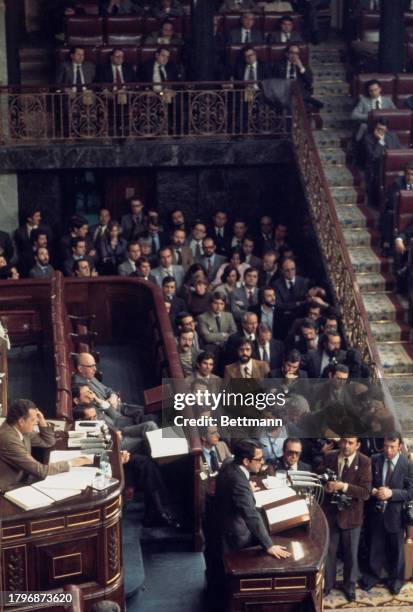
404,211
124,30
387,83
368,20
153,24
404,88
277,53
84,30
393,165
400,122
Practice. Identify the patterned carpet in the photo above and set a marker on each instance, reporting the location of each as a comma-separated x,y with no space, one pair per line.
377,599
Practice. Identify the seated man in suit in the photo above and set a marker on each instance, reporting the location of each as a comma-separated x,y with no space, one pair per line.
79,251
78,228
215,326
169,295
249,326
205,363
290,459
267,349
402,183
116,71
84,268
246,33
210,260
76,73
266,309
372,100
17,436
269,271
42,267
248,248
291,292
219,230
354,480
129,266
166,268
187,352
250,68
240,523
292,378
292,68
246,366
159,70
97,230
32,221
306,339
165,36
392,487
286,33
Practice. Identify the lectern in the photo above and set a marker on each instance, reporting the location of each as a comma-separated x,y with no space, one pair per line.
257,582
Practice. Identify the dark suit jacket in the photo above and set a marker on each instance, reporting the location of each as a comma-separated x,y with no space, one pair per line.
275,37
280,466
223,243
267,281
145,72
393,192
312,361
106,73
64,73
235,36
402,486
375,151
287,301
263,71
305,80
130,228
359,479
240,522
276,353
24,246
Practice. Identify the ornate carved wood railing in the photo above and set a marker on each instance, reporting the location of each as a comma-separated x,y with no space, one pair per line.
331,240
197,110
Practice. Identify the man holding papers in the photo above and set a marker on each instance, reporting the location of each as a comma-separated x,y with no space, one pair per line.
17,436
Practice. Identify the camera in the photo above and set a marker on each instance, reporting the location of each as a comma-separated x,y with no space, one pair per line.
341,500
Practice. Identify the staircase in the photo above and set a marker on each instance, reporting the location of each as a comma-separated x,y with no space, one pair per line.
386,310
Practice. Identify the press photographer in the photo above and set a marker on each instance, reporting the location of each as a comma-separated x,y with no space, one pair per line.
345,514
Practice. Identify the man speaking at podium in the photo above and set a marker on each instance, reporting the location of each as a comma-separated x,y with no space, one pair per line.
17,436
240,522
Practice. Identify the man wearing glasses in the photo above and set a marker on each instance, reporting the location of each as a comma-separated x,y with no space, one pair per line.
240,522
290,460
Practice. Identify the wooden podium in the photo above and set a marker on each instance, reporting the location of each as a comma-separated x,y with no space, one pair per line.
257,582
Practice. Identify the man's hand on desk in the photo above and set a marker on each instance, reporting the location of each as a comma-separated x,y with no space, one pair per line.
79,461
40,419
279,552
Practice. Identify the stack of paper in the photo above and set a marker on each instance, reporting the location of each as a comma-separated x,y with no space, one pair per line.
67,455
28,498
268,496
273,482
167,443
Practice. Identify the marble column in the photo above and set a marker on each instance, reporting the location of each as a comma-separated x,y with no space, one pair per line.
9,201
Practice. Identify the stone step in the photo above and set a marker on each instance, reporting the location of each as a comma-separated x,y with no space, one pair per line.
394,358
401,386
379,307
339,176
351,217
329,72
358,238
372,283
343,105
331,138
404,414
335,121
364,260
390,331
333,156
333,88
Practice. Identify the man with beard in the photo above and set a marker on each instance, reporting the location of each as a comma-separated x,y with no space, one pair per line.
246,366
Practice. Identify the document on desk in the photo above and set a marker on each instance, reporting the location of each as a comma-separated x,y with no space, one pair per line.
67,455
294,509
167,443
77,478
28,498
268,496
56,494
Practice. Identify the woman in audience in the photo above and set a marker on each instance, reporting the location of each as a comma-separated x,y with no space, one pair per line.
111,249
194,273
236,259
199,298
230,280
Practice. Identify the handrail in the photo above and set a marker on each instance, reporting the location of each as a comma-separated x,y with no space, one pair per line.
331,239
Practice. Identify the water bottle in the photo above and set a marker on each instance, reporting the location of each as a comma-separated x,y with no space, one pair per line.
105,467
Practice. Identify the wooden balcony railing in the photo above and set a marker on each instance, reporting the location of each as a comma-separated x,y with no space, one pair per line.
331,241
178,110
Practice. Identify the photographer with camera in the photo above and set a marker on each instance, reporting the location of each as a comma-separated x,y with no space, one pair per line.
347,477
392,488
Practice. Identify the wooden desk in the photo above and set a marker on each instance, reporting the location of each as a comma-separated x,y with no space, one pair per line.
257,582
75,541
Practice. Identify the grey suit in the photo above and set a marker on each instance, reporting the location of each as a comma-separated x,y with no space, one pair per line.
186,255
41,271
160,273
66,75
208,327
217,262
235,36
362,109
239,303
16,461
125,268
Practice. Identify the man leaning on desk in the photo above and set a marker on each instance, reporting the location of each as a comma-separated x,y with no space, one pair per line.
17,436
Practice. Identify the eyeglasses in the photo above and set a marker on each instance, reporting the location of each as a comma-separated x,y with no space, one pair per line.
260,459
85,365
